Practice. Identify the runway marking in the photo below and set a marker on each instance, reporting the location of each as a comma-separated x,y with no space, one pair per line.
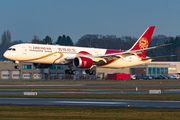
172,90
14,98
80,102
43,85
171,101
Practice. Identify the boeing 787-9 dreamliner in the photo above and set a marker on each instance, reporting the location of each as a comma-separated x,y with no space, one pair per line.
43,56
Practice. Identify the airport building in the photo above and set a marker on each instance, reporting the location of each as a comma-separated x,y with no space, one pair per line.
156,69
28,71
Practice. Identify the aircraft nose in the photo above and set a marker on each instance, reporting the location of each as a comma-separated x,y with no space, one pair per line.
6,54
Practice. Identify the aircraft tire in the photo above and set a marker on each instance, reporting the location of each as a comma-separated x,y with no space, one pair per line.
90,72
16,67
70,71
94,72
87,71
73,72
67,71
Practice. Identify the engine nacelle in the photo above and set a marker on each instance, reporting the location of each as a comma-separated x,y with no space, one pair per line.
83,62
40,65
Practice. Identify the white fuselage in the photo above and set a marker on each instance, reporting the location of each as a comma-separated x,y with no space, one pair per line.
56,54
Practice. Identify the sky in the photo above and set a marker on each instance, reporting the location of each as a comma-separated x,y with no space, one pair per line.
76,18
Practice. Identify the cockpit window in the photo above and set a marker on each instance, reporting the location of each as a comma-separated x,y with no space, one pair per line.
13,49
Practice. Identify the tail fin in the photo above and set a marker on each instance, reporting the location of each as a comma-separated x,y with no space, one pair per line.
144,40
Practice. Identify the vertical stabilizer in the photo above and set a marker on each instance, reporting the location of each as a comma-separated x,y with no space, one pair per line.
144,40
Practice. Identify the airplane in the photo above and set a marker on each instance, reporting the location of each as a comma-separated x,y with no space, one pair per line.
43,56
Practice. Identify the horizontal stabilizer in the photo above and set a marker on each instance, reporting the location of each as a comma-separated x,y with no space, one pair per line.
158,57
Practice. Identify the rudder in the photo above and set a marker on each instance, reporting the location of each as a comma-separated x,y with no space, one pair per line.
144,40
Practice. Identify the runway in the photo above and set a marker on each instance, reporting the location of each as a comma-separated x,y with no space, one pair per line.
91,102
88,102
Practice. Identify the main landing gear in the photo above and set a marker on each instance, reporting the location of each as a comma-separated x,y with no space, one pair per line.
90,72
73,72
70,71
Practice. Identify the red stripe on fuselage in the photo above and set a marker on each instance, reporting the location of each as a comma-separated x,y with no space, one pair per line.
141,56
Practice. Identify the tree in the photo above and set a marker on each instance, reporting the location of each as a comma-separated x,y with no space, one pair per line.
59,40
47,40
69,41
16,42
107,42
5,42
63,40
6,38
36,40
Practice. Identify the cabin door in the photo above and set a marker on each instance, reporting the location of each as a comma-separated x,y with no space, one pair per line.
24,50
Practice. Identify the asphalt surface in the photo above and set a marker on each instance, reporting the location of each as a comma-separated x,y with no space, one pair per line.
91,102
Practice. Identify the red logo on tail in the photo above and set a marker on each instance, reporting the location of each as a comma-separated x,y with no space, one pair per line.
143,43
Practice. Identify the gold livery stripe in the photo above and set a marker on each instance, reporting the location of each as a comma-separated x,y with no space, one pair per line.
61,55
41,57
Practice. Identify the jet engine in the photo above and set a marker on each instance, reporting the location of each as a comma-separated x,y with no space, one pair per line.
83,62
40,65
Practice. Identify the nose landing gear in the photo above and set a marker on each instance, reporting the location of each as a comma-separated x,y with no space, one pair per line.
16,64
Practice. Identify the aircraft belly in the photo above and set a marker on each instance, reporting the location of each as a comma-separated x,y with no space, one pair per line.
121,63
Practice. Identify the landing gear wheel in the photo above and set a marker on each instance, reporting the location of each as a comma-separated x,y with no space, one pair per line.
70,71
90,72
67,71
73,72
16,67
94,72
87,71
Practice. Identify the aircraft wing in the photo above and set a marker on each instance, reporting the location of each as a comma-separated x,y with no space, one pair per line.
107,57
128,53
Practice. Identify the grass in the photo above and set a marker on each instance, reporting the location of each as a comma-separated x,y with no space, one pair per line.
165,96
95,85
49,112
